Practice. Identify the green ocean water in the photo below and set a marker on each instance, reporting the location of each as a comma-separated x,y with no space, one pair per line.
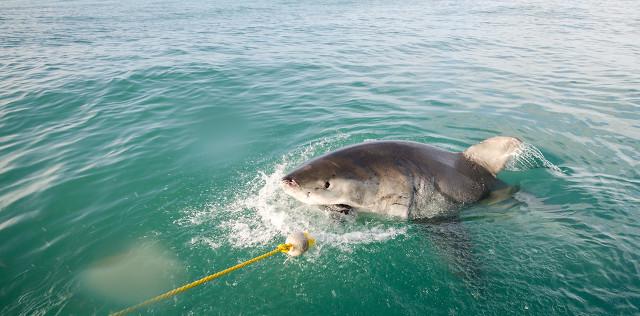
141,145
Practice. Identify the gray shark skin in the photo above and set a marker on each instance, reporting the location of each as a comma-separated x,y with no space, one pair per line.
401,178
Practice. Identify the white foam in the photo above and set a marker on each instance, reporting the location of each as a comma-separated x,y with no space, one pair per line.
262,214
200,240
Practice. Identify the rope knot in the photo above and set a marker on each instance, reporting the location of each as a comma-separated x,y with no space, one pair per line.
284,247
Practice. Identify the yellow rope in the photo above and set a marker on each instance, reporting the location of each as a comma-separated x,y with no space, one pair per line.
281,248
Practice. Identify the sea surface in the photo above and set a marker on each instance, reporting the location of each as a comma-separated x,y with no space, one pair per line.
141,145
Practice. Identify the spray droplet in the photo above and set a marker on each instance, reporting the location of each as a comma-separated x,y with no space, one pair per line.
529,157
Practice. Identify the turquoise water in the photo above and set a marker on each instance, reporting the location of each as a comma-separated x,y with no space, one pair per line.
141,146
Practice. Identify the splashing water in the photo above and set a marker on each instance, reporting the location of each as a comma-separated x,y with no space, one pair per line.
530,157
262,214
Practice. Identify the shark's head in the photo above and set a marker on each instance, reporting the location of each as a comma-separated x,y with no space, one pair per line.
330,181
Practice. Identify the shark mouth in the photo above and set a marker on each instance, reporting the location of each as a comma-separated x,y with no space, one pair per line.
340,208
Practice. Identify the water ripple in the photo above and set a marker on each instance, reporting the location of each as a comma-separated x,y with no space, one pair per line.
154,119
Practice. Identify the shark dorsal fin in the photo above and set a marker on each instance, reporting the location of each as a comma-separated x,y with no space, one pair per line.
493,153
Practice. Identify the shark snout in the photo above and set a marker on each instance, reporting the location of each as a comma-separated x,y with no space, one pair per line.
289,181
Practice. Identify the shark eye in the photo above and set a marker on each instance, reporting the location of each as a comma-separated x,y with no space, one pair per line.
326,185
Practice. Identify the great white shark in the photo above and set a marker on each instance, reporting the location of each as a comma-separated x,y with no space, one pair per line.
401,178
410,180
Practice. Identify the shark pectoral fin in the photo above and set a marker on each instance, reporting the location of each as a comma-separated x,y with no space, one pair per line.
499,195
